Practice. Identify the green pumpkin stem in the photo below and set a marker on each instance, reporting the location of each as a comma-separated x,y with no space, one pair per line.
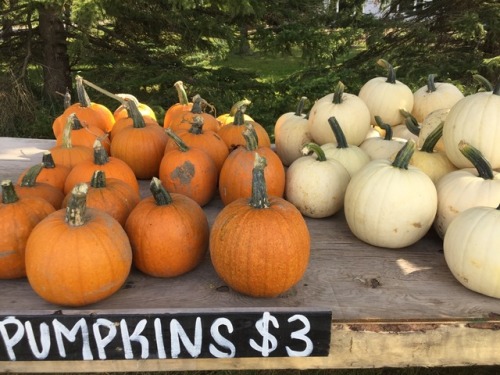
477,159
496,89
432,139
9,194
48,160
181,93
197,125
251,139
98,179
238,105
411,122
178,141
404,155
29,179
160,194
103,91
300,106
391,74
386,127
339,92
135,114
315,148
483,81
259,198
338,133
77,206
101,156
431,85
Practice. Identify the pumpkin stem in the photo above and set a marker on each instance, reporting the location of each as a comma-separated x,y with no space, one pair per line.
100,155
135,114
98,179
160,194
237,105
197,104
391,75
496,89
431,85
77,124
103,91
315,148
67,98
432,139
251,138
338,133
404,155
483,81
259,197
83,97
239,116
29,179
386,127
48,160
411,122
197,125
300,106
178,141
339,92
66,135
77,205
9,194
477,159
181,93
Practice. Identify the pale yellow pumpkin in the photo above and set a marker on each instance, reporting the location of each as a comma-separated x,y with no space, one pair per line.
390,204
431,122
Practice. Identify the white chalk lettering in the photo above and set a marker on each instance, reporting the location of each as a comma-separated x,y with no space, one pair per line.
137,337
269,341
100,341
44,340
177,332
10,342
60,330
160,345
221,340
301,335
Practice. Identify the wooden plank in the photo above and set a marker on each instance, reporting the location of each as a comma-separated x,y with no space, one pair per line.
389,307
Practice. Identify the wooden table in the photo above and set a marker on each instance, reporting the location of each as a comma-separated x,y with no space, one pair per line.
389,308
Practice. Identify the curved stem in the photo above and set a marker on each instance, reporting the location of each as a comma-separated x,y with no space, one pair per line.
314,147
48,160
391,74
433,138
411,122
259,198
339,92
237,105
300,106
404,155
431,85
83,97
483,81
9,194
77,206
251,139
386,127
66,135
181,93
338,133
477,159
160,194
178,141
98,179
29,179
135,114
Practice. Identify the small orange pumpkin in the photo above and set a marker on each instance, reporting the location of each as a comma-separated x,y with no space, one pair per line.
168,232
30,187
184,119
51,173
182,106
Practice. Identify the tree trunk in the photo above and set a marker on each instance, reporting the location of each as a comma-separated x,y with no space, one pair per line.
56,69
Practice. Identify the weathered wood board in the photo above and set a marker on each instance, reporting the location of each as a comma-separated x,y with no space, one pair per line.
388,307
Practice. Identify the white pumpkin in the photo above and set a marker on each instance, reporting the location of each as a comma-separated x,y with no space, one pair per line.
476,120
385,96
390,205
349,110
382,148
431,122
470,248
466,188
434,96
291,133
316,185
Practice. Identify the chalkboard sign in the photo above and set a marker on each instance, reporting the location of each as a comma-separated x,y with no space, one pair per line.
158,336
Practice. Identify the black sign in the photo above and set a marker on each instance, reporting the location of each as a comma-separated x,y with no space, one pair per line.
158,336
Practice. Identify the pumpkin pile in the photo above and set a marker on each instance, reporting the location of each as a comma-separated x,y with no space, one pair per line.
395,162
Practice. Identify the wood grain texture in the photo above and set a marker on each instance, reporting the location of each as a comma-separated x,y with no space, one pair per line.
390,307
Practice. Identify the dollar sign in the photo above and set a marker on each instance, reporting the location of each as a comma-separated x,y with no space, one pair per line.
269,341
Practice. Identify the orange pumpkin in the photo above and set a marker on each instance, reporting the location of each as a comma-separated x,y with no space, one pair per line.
232,133
18,217
183,105
128,121
30,187
114,168
260,245
78,255
111,195
168,232
184,119
209,141
236,173
141,146
51,173
189,171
